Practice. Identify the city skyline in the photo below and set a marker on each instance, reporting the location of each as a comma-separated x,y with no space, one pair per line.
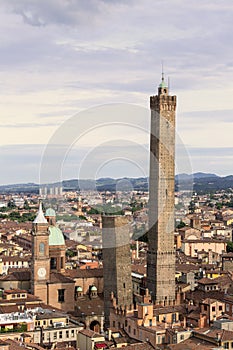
59,58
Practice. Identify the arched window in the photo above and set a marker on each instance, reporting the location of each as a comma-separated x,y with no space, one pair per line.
41,248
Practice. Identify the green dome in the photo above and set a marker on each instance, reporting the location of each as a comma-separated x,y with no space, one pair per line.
162,84
50,212
79,289
56,236
93,289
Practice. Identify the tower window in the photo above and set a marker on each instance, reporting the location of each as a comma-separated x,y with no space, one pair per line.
61,295
41,248
53,263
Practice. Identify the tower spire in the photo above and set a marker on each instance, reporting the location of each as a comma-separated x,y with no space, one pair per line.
40,219
162,71
162,86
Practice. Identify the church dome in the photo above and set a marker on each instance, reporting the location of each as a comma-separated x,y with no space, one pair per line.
50,212
56,236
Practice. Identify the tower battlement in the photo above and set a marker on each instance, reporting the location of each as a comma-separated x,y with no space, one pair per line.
157,102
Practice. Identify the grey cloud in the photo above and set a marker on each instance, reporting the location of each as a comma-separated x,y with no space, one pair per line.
190,38
223,116
43,12
26,125
214,152
20,163
212,160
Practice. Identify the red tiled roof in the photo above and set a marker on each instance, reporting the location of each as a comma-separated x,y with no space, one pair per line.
86,273
56,277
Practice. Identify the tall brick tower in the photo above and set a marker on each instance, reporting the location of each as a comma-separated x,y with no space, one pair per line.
161,253
40,255
116,262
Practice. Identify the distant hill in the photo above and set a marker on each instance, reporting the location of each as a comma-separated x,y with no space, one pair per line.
203,183
203,175
20,188
108,184
198,182
195,176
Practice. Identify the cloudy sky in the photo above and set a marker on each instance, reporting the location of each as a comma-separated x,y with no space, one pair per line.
62,59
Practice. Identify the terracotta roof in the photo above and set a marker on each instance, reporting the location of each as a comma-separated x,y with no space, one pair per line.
22,275
158,310
198,295
15,345
88,306
15,258
90,334
206,280
191,344
139,268
206,240
56,277
209,301
194,315
85,273
212,333
12,291
186,267
227,255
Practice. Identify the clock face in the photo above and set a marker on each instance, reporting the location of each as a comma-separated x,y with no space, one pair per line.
41,272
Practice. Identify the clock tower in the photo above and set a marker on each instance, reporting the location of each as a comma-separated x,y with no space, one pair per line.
40,255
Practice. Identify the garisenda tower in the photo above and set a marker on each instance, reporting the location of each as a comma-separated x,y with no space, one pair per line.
161,252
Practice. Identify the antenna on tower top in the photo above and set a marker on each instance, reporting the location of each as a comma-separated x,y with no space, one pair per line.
168,83
162,71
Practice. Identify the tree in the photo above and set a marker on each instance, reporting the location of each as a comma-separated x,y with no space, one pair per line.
26,205
11,204
192,207
14,215
70,253
27,217
181,224
93,211
229,247
82,217
219,205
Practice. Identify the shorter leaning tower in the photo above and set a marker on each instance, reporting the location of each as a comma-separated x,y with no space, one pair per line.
117,263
